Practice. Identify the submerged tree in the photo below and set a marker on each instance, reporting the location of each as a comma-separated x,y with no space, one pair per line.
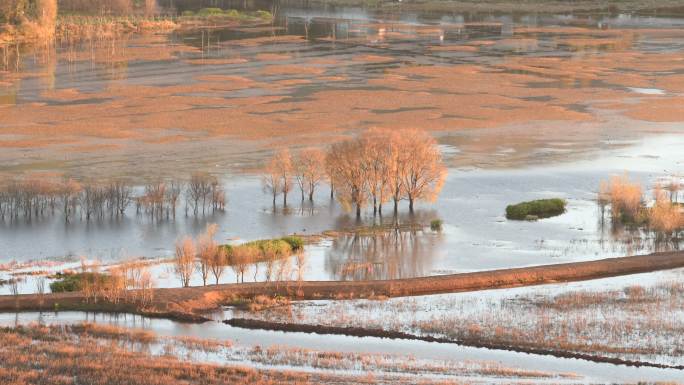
350,175
309,169
277,175
420,166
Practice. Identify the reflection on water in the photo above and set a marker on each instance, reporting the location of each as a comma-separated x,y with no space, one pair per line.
391,254
292,84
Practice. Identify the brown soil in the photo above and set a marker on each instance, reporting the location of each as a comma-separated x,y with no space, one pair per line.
187,303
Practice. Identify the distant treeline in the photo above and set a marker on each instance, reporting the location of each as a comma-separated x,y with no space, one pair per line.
35,198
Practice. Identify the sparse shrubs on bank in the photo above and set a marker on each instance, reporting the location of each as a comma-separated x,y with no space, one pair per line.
536,209
206,256
628,206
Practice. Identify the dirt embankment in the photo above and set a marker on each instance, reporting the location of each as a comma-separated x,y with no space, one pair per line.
186,303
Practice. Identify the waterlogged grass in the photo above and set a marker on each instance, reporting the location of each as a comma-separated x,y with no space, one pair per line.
94,353
531,210
634,322
268,249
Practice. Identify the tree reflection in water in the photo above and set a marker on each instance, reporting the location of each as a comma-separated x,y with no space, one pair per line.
393,253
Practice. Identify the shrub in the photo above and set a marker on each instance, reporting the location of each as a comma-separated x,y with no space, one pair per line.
665,217
210,12
625,199
541,208
436,225
296,243
75,282
264,249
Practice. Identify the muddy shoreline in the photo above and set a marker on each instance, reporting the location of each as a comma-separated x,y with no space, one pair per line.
188,304
380,333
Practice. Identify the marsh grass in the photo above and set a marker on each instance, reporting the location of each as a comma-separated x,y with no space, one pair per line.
541,208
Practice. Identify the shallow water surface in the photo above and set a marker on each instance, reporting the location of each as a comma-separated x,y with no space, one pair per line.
524,107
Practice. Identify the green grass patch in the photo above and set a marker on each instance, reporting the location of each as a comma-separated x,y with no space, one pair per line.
75,282
436,225
541,208
266,249
295,242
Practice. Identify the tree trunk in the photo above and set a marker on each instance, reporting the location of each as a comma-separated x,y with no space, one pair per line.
410,205
358,211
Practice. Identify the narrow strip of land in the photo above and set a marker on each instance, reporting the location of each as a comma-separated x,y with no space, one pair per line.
477,343
188,303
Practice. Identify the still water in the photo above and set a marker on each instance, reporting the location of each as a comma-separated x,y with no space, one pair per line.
508,130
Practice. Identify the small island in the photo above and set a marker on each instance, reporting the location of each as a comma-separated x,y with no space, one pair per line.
536,209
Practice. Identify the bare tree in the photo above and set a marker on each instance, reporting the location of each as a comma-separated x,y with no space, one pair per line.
206,251
218,263
69,196
240,259
218,196
199,190
184,262
173,192
309,171
271,182
422,171
380,154
282,162
350,174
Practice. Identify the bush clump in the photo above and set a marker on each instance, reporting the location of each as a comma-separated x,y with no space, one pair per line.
264,249
295,242
75,282
436,225
541,208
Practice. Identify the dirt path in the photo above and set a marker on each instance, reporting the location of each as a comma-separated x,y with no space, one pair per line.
187,303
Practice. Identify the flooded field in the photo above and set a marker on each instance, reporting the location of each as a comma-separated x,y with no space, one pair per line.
524,107
449,362
120,148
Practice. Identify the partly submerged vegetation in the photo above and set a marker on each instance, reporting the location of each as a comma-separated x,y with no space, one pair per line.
377,167
532,210
630,207
40,20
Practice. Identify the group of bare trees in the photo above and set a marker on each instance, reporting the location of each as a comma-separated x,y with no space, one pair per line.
34,197
374,168
203,255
